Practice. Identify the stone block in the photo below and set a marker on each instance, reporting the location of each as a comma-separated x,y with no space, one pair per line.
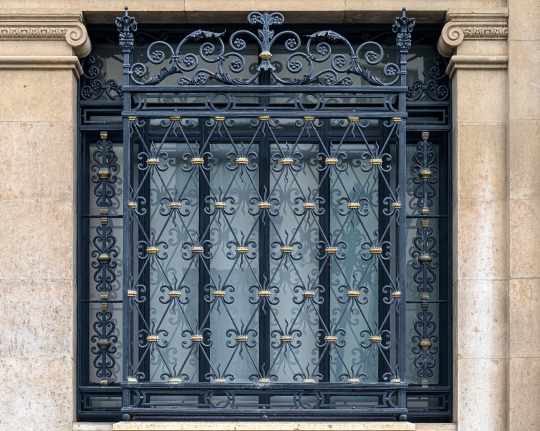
480,399
37,393
480,241
37,160
480,156
42,311
481,309
524,324
523,20
524,235
263,426
37,239
524,397
523,156
38,95
524,80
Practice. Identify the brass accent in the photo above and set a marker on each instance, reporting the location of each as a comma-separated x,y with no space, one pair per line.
132,293
175,205
104,210
375,250
219,294
264,380
396,205
424,344
132,118
376,162
331,161
264,205
103,344
308,294
331,250
220,205
375,339
353,293
353,205
396,294
197,160
219,118
287,160
264,293
309,206
175,294
174,380
103,135
152,338
425,223
197,249
425,302
425,296
242,161
196,338
104,173
308,381
132,380
286,249
396,120
242,338
354,119
425,259
395,381
425,210
152,161
309,118
175,118
425,135
353,380
152,250
425,173
104,220
104,306
330,338
265,55
285,338
103,382
220,381
104,258
242,250
104,296
132,205
264,118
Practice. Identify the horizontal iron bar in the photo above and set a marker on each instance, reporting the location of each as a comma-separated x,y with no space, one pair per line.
100,216
97,388
427,216
259,112
227,89
439,301
109,127
267,387
97,301
279,414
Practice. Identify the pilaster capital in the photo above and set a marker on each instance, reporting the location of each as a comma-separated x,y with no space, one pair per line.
46,25
471,24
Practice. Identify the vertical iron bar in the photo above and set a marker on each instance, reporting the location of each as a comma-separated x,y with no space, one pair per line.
324,222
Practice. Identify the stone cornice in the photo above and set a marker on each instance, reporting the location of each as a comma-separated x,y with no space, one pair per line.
472,24
46,26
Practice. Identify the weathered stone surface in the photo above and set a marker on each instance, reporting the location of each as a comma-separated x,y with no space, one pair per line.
263,426
524,413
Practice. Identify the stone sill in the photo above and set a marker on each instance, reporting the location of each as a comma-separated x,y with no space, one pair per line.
262,426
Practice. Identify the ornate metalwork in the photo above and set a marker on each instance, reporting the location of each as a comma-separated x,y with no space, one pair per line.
273,274
246,216
435,84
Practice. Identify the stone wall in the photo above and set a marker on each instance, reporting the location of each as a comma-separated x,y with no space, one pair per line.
494,47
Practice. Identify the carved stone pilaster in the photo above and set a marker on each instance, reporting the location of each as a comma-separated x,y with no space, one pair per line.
472,25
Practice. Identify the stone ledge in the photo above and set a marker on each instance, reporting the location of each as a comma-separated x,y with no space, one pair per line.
260,426
41,62
476,62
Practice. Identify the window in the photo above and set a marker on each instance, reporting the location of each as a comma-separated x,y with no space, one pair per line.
268,226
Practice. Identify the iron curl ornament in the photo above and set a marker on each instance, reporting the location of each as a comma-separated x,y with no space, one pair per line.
228,62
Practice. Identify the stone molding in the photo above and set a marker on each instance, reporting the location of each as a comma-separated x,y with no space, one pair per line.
41,63
476,62
471,25
20,25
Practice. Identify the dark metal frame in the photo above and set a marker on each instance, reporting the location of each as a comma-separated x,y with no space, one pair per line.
131,388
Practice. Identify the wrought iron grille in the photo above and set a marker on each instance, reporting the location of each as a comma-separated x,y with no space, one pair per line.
266,247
